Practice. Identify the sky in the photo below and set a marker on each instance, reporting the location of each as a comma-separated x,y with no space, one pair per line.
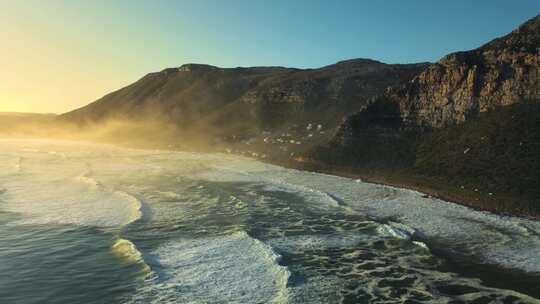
58,55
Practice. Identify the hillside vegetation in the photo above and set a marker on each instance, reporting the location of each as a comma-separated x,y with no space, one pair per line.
491,161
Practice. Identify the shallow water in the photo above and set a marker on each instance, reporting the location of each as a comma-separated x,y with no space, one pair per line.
85,223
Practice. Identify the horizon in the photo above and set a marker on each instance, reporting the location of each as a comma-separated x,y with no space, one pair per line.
63,55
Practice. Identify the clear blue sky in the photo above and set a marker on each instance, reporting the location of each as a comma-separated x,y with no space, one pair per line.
98,46
312,33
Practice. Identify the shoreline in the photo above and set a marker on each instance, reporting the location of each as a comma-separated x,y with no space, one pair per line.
412,182
399,179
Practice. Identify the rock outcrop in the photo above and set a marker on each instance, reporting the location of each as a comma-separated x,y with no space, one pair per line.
463,84
452,91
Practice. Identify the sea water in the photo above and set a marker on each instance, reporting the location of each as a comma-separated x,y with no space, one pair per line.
88,223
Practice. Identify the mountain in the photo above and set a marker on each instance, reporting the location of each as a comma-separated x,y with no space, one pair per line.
463,84
238,105
467,126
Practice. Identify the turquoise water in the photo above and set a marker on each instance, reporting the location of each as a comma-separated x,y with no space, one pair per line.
83,223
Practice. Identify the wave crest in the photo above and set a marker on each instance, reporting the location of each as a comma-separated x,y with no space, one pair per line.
234,268
128,252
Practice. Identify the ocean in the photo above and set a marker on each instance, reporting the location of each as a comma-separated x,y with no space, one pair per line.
90,223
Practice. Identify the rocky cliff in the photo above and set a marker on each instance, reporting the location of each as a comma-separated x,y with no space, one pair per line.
457,88
462,85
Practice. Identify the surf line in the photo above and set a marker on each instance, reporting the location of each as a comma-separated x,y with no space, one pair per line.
122,248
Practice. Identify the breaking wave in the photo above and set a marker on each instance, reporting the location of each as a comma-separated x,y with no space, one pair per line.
128,252
310,194
82,201
397,230
319,197
135,205
227,269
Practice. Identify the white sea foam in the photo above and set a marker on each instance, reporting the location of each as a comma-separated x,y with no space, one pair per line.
421,244
253,173
514,242
48,192
317,242
312,195
397,230
373,268
227,269
71,204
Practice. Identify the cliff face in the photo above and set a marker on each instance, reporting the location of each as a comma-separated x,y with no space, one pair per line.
461,85
457,88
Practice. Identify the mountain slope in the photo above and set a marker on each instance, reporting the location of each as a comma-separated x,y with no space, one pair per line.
491,162
469,121
235,104
463,84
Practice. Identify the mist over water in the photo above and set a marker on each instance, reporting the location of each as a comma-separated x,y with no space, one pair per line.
86,223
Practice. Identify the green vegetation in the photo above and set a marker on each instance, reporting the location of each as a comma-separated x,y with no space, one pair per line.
496,154
491,162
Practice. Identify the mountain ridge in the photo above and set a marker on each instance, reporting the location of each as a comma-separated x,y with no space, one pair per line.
253,103
345,66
